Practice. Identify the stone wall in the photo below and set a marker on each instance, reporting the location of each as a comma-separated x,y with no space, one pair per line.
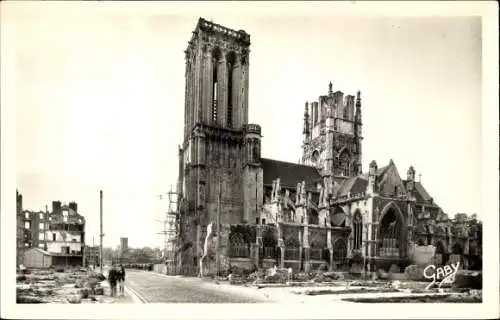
224,167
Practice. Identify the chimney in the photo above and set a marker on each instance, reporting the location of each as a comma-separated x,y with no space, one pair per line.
56,207
73,206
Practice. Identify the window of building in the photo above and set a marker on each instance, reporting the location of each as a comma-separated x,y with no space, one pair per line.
358,230
229,114
41,226
65,218
53,237
27,215
41,215
27,225
41,236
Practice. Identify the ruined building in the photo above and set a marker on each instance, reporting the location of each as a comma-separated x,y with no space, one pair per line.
55,238
325,209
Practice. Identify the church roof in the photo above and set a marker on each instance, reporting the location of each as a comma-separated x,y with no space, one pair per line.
352,185
290,174
421,194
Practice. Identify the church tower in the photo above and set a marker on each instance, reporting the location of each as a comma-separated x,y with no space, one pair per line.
219,168
332,134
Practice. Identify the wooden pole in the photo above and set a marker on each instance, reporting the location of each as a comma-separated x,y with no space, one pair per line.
101,234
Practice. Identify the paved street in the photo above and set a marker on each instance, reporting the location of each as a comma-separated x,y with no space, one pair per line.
154,288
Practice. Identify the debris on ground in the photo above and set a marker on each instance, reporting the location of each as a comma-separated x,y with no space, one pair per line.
468,279
313,292
76,285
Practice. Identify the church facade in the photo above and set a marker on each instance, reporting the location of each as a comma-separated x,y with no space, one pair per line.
324,210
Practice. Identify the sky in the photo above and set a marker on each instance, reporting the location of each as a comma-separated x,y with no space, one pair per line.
99,98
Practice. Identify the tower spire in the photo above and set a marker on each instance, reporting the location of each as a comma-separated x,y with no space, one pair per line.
330,88
358,107
306,119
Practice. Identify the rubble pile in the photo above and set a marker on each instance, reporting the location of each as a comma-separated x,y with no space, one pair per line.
54,286
328,276
468,279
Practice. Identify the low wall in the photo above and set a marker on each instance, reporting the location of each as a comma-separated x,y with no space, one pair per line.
269,263
243,263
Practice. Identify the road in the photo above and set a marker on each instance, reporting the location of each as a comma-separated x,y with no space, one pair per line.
154,288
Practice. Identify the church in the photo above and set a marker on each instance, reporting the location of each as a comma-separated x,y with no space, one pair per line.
323,210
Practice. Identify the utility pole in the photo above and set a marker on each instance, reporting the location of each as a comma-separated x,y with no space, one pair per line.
101,235
217,242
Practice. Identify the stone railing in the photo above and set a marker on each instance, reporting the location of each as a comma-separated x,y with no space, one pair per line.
292,254
316,254
270,252
239,251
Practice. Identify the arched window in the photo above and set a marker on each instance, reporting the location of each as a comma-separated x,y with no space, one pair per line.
315,158
344,160
357,224
340,251
312,217
231,59
215,63
391,235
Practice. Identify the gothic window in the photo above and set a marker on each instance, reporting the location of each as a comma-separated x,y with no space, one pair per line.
339,250
215,62
256,152
313,217
344,163
391,234
315,158
230,69
358,230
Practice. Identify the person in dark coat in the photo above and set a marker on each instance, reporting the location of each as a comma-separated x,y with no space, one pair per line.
121,281
113,278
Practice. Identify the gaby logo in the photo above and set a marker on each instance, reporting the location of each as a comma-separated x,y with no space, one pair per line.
444,274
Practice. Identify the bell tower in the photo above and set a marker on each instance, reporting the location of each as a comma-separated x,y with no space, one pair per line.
332,134
216,77
219,167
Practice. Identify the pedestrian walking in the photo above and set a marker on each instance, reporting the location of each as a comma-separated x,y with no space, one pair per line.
113,277
121,281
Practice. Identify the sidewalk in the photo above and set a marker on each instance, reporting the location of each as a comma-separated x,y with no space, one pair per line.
127,298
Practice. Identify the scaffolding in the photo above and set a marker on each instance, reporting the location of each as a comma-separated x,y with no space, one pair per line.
170,227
